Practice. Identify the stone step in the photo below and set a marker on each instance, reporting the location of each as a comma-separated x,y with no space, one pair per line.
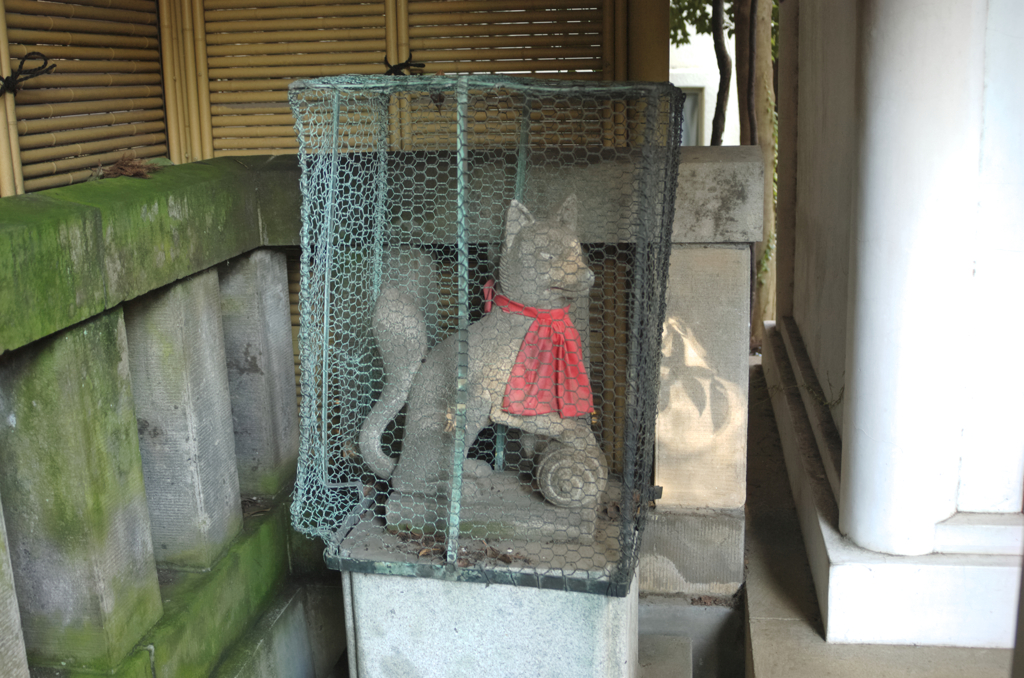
665,657
301,635
711,625
206,613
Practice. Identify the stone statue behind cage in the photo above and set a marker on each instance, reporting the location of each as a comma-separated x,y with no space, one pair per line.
525,369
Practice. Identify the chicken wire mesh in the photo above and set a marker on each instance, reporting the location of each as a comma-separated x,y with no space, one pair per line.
482,288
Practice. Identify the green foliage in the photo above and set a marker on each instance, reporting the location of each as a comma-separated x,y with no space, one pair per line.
695,15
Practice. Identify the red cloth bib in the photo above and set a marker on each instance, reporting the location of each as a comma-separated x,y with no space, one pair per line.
549,374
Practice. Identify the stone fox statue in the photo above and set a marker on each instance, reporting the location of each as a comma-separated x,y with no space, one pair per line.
542,269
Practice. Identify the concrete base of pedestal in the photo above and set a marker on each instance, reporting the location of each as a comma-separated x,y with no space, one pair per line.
425,628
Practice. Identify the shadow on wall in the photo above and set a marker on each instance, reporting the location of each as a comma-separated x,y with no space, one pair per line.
701,420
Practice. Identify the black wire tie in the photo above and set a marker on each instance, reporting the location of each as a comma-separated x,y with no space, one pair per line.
12,83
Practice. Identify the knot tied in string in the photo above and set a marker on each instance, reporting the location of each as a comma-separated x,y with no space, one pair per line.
400,69
12,82
549,374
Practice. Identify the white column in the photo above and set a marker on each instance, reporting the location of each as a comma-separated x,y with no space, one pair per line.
919,94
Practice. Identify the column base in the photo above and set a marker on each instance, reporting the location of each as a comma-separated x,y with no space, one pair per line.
964,600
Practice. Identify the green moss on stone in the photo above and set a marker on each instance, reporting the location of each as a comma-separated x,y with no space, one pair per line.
51,269
205,613
68,253
73,485
135,665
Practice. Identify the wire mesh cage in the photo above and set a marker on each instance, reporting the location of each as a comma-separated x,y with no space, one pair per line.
482,289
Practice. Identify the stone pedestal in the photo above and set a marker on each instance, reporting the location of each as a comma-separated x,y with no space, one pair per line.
180,382
420,628
261,369
74,498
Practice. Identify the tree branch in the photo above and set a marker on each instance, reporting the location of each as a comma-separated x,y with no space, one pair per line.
724,71
751,71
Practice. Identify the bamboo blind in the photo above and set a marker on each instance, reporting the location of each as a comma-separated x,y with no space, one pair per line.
256,48
195,79
104,100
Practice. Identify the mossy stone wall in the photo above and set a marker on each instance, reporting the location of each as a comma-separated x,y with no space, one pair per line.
69,253
74,498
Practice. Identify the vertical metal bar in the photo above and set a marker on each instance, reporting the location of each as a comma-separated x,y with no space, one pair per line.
523,155
462,370
641,316
327,251
499,446
522,160
387,123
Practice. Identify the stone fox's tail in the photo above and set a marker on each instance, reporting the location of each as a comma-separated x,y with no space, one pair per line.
400,327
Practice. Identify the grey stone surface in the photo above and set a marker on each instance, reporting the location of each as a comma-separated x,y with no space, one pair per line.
499,506
665,657
74,498
715,632
720,195
12,644
277,647
418,627
702,403
180,383
694,552
261,372
325,621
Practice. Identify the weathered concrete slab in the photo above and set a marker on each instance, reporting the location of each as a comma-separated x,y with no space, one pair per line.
12,644
665,657
72,485
418,627
261,371
278,645
180,383
702,404
720,195
698,552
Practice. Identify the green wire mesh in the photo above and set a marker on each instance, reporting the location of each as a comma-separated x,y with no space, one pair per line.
423,198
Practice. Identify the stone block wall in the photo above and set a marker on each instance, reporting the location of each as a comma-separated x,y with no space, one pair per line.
694,541
143,316
87,365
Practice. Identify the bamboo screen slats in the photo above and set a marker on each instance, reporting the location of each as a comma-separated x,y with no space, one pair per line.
195,79
546,38
256,48
103,101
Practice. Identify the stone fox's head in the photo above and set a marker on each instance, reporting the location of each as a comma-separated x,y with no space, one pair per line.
542,262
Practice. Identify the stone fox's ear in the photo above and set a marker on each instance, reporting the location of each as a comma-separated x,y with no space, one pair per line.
568,214
518,217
